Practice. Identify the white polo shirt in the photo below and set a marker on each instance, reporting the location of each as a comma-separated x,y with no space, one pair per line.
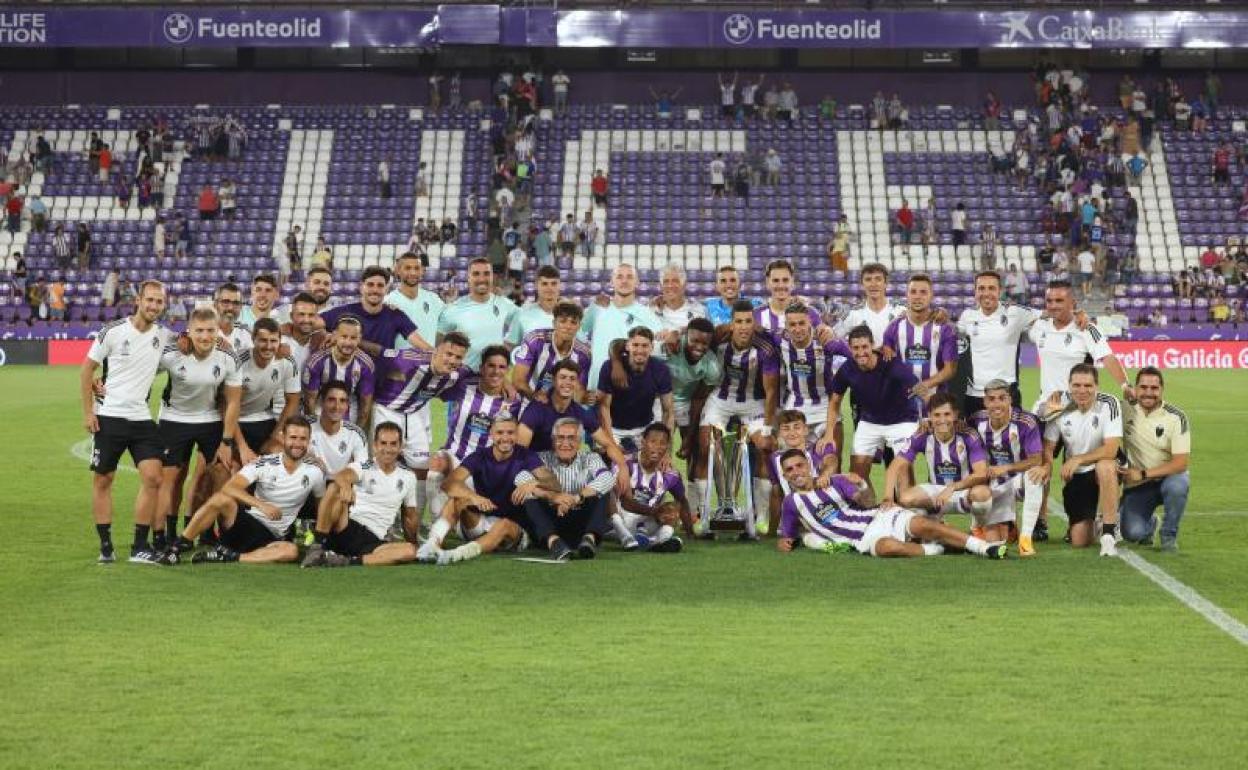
1061,349
131,359
1083,431
379,496
994,341
285,489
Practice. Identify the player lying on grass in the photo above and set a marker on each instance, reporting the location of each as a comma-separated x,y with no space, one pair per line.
1013,441
794,433
956,465
843,515
256,527
361,505
644,517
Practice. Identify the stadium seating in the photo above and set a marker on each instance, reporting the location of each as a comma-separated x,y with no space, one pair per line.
316,167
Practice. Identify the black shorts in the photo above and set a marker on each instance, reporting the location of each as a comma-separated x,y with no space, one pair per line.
354,540
257,433
247,533
117,435
180,439
1080,497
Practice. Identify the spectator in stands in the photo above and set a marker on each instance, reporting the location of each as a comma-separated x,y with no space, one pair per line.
294,250
516,259
454,93
435,93
598,188
827,107
838,247
772,166
1200,116
749,96
145,190
543,251
1222,164
787,108
228,195
1016,287
94,145
1130,212
988,247
43,154
383,178
160,238
879,110
1182,115
742,177
109,291
448,231
422,180
1129,266
905,222
728,95
13,209
1210,258
1085,261
896,112
175,308
771,102
1061,266
38,214
209,204
1183,285
62,247
82,244
182,236
1219,310
157,178
19,274
559,83
56,299
106,163
719,172
1135,167
322,255
37,298
929,236
663,101
992,112
588,234
957,224
123,191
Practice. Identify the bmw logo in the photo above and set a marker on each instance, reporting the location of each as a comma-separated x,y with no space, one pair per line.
178,27
738,29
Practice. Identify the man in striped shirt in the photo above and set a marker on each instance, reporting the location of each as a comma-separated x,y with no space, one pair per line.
1015,446
769,316
843,514
748,391
794,433
407,380
541,349
957,467
808,366
928,347
644,518
345,362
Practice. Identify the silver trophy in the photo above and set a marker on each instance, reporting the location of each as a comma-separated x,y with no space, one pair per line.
728,464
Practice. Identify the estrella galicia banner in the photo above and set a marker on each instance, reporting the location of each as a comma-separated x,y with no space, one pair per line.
208,26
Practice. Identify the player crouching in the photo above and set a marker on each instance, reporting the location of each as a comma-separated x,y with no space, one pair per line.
257,527
644,519
843,515
357,511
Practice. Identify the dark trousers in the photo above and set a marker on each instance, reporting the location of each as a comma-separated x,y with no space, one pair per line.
589,518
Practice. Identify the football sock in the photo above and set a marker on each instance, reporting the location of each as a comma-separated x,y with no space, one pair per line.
704,494
171,525
469,550
105,532
933,549
158,541
1032,495
762,498
664,534
318,537
140,536
621,531
182,544
438,531
435,497
976,546
422,497
694,495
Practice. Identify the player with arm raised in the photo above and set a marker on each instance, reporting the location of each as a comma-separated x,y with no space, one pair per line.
957,468
129,350
191,417
1013,440
843,515
1090,429
257,526
539,351
362,503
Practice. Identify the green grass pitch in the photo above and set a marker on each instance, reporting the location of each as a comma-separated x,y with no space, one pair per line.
725,656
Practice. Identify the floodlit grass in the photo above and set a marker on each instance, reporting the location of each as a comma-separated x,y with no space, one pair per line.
725,656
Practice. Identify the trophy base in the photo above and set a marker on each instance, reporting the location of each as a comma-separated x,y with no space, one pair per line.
727,519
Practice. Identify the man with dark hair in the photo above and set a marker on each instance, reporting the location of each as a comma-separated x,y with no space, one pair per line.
728,288
769,316
359,507
882,390
644,519
876,312
265,376
256,526
318,283
539,417
264,294
541,349
227,300
120,421
844,515
480,315
696,371
540,312
345,362
626,408
422,306
1158,440
336,442
929,347
1089,428
382,326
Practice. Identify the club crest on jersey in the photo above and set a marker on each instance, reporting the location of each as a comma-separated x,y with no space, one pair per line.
399,485
1096,421
1005,321
125,347
342,447
425,306
304,482
628,318
1069,338
273,375
155,343
1160,431
496,311
216,371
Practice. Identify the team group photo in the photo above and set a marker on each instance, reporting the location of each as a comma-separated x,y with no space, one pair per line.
724,384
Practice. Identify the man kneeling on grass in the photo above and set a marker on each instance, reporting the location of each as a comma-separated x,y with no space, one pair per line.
361,505
844,515
256,527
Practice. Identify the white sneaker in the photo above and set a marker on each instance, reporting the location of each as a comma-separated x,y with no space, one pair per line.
1108,546
427,553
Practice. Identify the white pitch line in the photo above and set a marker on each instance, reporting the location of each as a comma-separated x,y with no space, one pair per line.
82,450
1185,594
1179,590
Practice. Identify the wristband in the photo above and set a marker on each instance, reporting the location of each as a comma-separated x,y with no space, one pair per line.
229,442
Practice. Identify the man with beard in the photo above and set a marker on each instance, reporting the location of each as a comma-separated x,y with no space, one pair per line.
256,526
381,324
345,362
695,375
265,377
481,316
539,417
318,284
645,518
264,294
604,324
626,408
227,300
422,306
928,347
728,286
